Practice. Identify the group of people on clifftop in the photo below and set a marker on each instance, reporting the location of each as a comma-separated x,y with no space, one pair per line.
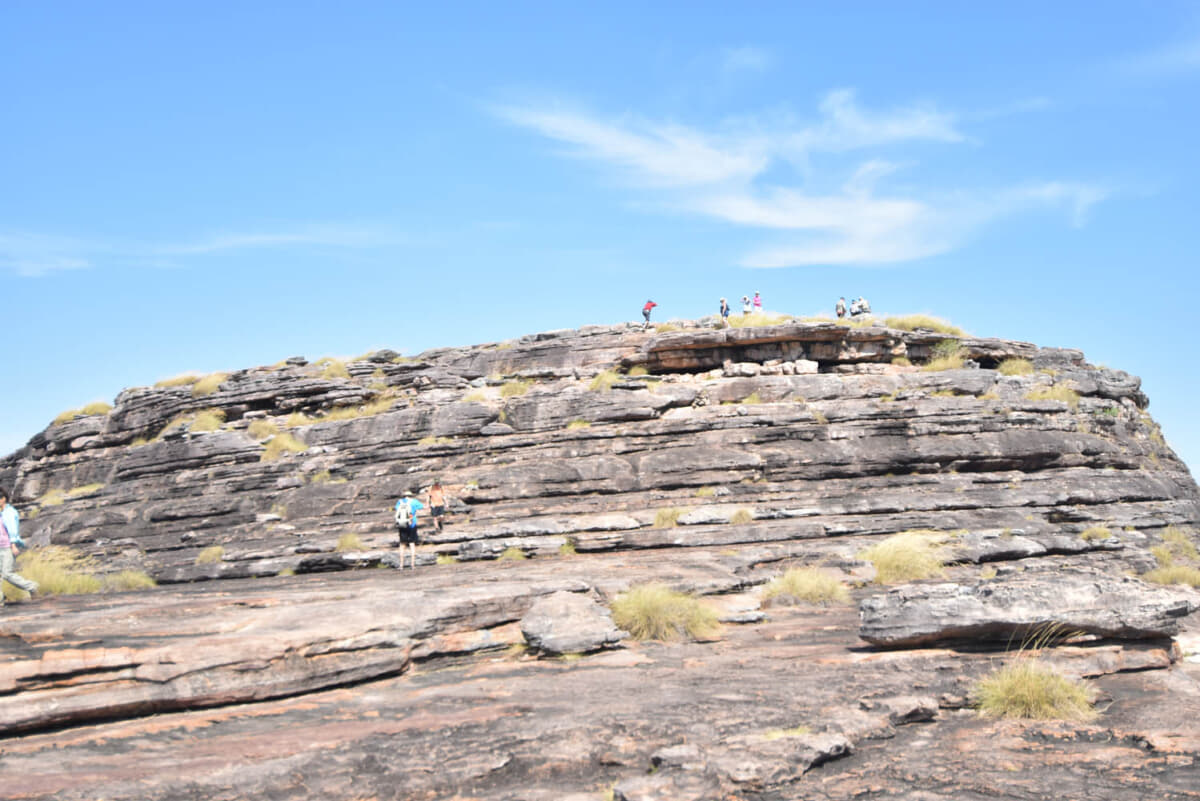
753,305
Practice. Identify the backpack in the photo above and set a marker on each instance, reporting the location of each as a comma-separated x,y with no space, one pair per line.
404,514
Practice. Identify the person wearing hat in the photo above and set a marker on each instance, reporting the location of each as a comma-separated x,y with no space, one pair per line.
406,522
437,504
724,313
745,306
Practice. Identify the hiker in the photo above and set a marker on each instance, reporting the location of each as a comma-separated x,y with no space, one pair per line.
646,313
724,313
863,306
10,545
745,306
757,304
841,308
855,308
406,522
437,504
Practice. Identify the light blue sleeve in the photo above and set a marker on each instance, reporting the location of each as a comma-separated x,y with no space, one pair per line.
12,522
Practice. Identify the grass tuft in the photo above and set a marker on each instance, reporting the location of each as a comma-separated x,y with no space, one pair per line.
512,554
127,580
1095,533
280,444
638,370
513,389
947,355
752,398
1055,393
567,548
656,612
58,570
446,559
901,361
604,381
907,556
210,555
262,429
1015,367
706,492
52,497
1026,688
779,734
1174,574
207,420
667,518
911,322
349,542
86,489
808,585
580,423
333,368
741,517
478,396
758,319
208,385
177,381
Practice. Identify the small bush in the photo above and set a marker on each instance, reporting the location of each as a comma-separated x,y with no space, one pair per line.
656,612
567,548
667,518
604,381
1015,367
1174,574
706,492
1180,544
280,444
1055,393
349,542
1095,533
210,555
261,429
806,585
512,389
947,355
446,559
208,420
512,554
638,370
752,398
575,424
208,385
911,322
907,556
127,580
1026,688
741,517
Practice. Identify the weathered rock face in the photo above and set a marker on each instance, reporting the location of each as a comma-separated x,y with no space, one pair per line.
727,458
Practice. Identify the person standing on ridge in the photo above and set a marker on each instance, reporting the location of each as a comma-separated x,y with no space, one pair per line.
437,504
745,306
757,304
724,313
841,308
406,522
646,313
10,545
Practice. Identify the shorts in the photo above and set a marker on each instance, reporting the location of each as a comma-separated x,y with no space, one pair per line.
408,536
437,511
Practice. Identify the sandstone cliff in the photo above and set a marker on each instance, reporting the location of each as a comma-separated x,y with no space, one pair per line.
708,459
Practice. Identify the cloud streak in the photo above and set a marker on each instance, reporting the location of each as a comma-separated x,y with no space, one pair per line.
727,175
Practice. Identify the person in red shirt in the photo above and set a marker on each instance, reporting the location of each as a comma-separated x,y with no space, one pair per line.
646,313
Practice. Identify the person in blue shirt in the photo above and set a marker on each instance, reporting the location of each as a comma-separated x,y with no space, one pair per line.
10,545
406,522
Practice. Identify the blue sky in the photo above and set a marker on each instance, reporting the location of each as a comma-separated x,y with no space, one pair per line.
210,186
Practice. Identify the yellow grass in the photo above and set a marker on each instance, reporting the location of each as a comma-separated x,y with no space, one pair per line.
512,389
126,580
1095,533
208,420
1180,543
911,322
210,555
656,612
667,518
604,381
280,444
1015,367
574,424
208,385
901,361
706,492
758,319
177,381
638,370
86,489
58,570
1174,574
445,559
1026,688
513,554
261,429
52,497
475,397
349,542
809,585
1055,393
752,398
907,556
92,409
333,368
567,548
779,734
741,517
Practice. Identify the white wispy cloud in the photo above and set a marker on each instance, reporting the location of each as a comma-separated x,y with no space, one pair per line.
1178,58
723,174
30,254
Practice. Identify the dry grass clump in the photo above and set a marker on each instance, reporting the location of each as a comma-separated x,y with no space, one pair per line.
706,492
58,570
907,556
208,385
425,442
638,370
86,489
808,585
52,497
1095,533
656,612
779,734
512,389
91,410
667,518
752,398
1179,544
576,424
665,328
1174,574
512,554
911,322
567,548
604,381
280,444
210,555
474,397
947,355
332,368
126,580
758,319
1015,367
1055,393
1026,688
177,381
741,517
901,361
349,542
262,429
207,420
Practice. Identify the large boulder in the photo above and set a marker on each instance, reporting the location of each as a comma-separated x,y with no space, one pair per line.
569,623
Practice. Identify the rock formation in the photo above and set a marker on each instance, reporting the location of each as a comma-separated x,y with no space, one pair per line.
271,662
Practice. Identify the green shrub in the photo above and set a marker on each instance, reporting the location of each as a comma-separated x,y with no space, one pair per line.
667,518
1095,533
210,555
604,381
656,612
207,420
1174,574
911,322
907,556
1055,393
947,355
1015,367
208,385
512,553
741,517
280,444
349,542
806,585
1026,688
512,389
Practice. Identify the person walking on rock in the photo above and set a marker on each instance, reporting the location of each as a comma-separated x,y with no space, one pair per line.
406,523
10,545
646,313
437,504
724,313
757,303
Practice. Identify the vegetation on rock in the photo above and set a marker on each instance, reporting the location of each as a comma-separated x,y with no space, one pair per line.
810,585
1026,688
907,556
656,612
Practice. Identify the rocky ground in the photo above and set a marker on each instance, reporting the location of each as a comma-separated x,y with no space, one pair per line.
707,460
